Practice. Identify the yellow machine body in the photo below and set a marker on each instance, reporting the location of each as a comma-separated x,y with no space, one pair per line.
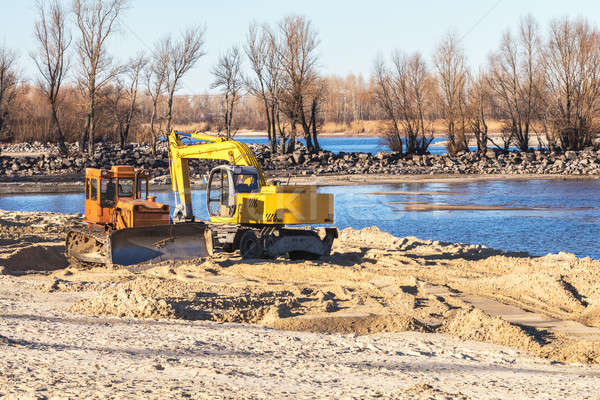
264,205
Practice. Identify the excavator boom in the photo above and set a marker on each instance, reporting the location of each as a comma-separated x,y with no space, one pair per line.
213,148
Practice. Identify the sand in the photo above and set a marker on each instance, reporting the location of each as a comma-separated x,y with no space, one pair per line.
381,317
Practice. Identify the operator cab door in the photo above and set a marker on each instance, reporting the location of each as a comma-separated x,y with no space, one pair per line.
93,212
220,195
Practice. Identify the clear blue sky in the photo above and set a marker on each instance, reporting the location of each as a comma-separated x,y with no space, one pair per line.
352,32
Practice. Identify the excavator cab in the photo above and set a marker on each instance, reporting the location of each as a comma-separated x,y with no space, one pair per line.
224,183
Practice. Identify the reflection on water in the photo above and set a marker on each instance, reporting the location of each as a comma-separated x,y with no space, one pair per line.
538,216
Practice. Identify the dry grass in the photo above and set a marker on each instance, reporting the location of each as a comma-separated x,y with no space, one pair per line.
196,126
375,127
359,127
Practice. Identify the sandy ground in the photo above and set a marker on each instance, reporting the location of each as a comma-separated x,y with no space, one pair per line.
382,317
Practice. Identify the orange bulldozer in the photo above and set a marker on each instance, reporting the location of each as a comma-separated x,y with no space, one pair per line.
126,226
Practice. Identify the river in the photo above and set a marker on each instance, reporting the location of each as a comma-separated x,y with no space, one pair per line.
536,216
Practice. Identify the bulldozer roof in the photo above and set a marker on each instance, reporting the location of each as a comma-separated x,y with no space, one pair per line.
117,171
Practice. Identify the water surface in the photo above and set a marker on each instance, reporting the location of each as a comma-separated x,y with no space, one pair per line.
350,144
548,216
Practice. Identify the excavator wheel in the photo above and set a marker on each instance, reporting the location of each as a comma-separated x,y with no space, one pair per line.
251,245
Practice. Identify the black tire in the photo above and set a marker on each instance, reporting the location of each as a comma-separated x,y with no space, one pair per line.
251,245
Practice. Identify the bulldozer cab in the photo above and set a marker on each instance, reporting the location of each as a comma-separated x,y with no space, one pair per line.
224,183
104,188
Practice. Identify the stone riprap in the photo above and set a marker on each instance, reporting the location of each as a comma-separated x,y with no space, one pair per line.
45,160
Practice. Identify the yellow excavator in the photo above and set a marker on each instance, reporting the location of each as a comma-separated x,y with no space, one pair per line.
245,212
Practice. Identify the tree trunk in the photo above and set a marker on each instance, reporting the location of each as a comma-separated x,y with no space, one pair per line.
152,120
170,110
230,118
268,119
282,133
313,124
90,125
305,128
59,134
274,129
291,145
125,130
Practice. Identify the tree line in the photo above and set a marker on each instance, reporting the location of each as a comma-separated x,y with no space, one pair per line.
539,89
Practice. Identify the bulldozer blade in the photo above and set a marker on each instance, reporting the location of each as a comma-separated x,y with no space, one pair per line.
159,243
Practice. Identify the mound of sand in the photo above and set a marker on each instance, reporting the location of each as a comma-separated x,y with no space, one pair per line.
38,257
474,324
361,325
124,302
171,298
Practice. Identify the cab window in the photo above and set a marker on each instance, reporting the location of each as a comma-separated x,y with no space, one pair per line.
142,188
93,189
125,187
107,193
220,199
246,183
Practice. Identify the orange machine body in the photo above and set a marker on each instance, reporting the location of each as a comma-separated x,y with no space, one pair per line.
118,198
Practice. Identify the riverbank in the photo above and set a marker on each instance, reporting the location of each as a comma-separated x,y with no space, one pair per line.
381,317
301,163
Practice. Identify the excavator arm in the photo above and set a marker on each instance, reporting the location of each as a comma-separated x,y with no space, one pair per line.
210,148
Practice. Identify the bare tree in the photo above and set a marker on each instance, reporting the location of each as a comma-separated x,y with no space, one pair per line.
516,78
404,93
181,55
263,62
572,64
123,96
8,83
156,74
297,51
384,96
228,78
274,82
51,59
413,90
449,61
96,21
479,104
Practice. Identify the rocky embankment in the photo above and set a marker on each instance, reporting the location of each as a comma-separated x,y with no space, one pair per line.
24,159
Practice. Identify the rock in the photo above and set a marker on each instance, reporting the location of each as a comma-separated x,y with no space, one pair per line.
330,306
298,157
490,154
